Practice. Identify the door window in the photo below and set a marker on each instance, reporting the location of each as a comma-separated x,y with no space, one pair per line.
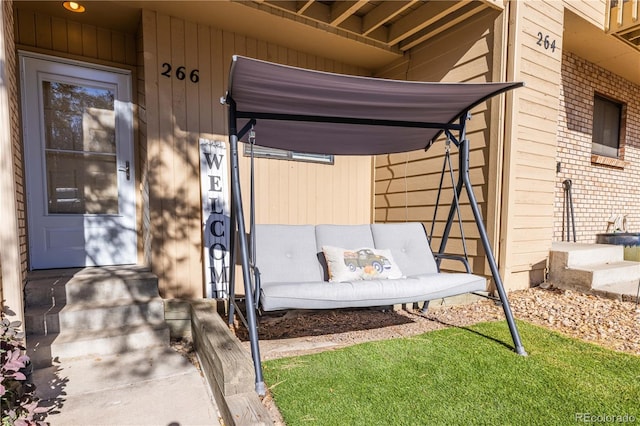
80,149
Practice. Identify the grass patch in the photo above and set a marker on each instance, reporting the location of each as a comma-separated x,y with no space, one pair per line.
458,376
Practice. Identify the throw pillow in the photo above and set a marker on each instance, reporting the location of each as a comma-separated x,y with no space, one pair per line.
360,264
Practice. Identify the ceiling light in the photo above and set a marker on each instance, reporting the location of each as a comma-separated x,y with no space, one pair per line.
73,6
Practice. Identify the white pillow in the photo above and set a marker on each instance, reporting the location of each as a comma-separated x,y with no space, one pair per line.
360,264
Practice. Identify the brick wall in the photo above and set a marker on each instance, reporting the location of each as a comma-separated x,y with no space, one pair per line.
14,249
602,187
16,137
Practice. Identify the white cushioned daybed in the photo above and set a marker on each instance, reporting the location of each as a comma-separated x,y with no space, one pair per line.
294,272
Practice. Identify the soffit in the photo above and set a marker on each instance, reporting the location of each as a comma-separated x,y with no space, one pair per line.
593,44
368,34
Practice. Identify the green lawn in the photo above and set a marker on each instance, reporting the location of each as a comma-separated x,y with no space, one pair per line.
459,376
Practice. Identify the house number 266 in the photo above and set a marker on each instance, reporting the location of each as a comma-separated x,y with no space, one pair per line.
180,73
543,40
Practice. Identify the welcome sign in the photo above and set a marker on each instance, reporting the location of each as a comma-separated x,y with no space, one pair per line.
214,184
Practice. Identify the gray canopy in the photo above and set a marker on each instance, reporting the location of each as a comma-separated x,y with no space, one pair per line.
318,112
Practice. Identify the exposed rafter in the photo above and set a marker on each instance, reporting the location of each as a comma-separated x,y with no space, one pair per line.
393,25
384,13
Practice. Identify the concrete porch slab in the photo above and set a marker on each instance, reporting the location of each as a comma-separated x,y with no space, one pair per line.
146,387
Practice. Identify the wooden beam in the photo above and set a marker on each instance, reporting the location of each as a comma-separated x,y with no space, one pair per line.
495,4
318,12
289,6
633,36
302,6
383,13
421,18
452,20
341,10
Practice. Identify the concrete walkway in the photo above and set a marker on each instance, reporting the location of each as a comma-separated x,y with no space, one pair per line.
156,386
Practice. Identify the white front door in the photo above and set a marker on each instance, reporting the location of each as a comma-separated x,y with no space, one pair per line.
78,150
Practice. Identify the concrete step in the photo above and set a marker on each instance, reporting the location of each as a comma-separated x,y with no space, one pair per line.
93,315
593,268
592,276
624,291
46,288
576,255
92,311
42,349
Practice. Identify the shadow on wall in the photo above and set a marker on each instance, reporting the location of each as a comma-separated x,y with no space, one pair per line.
537,274
407,185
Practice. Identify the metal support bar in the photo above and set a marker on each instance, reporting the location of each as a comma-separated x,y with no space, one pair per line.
455,203
464,173
232,267
252,326
570,223
455,206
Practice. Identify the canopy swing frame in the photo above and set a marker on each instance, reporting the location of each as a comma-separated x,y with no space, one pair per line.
238,232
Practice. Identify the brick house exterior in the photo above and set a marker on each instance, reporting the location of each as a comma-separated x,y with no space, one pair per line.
601,186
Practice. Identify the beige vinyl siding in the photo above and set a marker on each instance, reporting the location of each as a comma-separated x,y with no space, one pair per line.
13,261
177,113
529,175
43,33
406,185
592,10
142,164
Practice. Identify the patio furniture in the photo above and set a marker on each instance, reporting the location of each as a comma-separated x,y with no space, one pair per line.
325,113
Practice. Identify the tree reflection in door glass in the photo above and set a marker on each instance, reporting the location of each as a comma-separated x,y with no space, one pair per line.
80,149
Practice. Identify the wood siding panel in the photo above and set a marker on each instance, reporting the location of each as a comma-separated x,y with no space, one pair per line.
89,41
593,10
74,31
180,112
406,184
53,35
59,33
43,32
103,48
531,128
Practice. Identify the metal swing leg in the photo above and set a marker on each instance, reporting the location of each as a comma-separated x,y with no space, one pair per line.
464,173
252,326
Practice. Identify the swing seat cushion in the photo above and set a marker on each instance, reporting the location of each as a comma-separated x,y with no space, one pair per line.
294,273
363,293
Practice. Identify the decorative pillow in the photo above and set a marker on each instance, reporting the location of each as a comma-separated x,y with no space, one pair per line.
360,264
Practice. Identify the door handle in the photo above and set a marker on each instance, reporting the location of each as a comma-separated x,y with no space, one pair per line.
126,169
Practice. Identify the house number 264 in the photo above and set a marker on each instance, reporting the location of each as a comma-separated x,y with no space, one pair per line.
180,73
543,40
